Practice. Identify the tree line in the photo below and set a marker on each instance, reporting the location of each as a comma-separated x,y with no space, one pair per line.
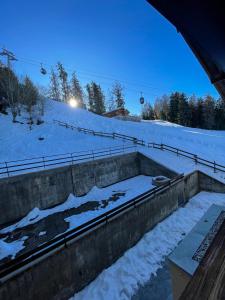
204,112
16,93
92,97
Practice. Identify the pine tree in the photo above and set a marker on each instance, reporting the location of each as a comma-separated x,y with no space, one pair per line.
96,98
209,112
9,89
76,90
63,76
173,107
183,115
200,113
220,114
193,111
54,91
117,92
147,112
90,97
99,99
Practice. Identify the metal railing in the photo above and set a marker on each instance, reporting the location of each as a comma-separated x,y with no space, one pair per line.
16,167
113,135
194,157
179,152
11,168
62,240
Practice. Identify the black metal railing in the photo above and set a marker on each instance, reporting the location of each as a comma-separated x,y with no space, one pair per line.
113,135
62,239
16,167
11,168
194,157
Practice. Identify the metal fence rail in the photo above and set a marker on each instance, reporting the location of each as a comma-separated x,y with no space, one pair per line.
64,238
11,168
194,157
100,133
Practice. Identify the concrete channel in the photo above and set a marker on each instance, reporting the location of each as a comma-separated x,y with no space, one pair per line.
59,273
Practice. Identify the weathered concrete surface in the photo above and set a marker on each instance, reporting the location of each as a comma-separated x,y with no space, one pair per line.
152,168
69,269
191,186
20,194
44,189
159,287
210,184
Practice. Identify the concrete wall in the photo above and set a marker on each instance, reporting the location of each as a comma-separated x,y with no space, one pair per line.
152,168
44,189
210,184
191,186
68,270
104,172
20,194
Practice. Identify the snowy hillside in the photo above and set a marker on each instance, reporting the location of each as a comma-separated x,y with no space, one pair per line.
18,142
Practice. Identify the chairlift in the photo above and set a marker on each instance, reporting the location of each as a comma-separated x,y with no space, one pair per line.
42,70
142,99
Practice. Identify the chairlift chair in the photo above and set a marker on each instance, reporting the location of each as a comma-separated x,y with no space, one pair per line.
43,70
142,99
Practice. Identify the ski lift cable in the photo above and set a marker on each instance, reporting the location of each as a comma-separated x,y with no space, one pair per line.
37,63
87,74
105,80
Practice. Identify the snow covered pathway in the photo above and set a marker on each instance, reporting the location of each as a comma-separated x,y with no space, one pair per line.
122,280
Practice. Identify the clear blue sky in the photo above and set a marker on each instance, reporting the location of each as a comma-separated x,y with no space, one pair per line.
103,39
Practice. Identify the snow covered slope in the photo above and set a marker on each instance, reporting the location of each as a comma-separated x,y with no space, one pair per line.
18,142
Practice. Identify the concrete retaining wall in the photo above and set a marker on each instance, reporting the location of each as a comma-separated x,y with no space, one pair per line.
191,186
44,189
210,184
152,168
68,270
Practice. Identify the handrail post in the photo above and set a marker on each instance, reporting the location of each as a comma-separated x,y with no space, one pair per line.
196,159
214,166
43,161
177,152
93,156
161,147
7,169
